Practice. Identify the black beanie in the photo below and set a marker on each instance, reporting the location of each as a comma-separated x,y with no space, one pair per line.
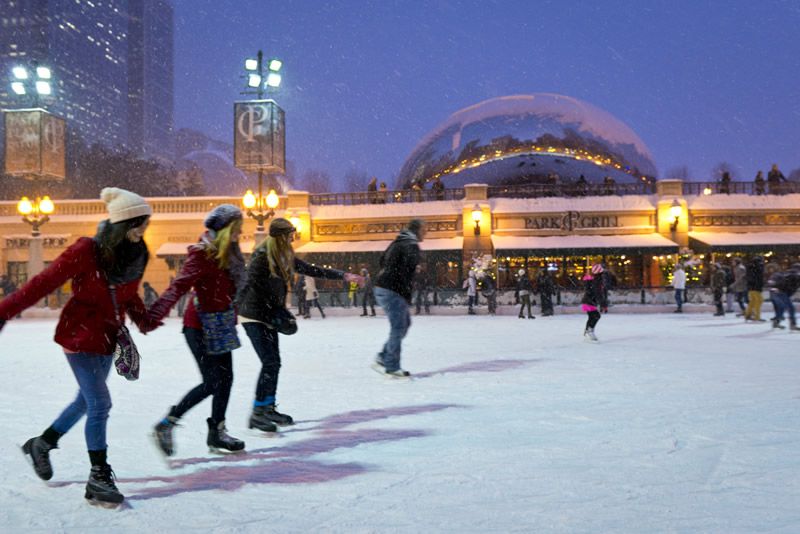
280,226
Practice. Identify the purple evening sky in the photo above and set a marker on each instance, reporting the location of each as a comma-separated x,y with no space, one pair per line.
701,82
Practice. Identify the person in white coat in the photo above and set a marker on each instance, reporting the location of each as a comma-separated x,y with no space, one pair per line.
679,283
471,284
312,298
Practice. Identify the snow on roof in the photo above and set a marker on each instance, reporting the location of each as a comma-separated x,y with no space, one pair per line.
451,243
744,202
582,242
746,238
379,211
556,204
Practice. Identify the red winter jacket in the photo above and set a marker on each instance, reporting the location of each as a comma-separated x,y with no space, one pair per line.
88,322
213,286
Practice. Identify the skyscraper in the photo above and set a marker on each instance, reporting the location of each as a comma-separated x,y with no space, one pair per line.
111,62
150,78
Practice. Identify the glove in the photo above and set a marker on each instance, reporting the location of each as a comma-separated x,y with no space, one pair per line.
2,324
284,322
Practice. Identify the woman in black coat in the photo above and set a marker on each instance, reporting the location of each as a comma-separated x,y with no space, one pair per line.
262,310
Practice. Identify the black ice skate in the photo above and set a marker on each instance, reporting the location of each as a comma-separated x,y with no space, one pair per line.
260,421
39,451
219,441
100,489
162,434
280,419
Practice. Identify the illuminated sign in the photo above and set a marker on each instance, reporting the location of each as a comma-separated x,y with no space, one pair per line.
259,139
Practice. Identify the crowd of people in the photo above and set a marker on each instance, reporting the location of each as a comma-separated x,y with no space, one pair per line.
744,283
775,183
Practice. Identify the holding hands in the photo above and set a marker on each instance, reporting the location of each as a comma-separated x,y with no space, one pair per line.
350,277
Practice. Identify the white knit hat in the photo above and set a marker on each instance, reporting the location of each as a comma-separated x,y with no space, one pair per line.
123,205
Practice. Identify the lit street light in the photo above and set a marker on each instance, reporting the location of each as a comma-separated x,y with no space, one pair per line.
26,82
36,213
260,208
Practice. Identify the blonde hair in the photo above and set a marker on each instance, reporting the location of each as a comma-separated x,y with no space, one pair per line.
221,244
280,256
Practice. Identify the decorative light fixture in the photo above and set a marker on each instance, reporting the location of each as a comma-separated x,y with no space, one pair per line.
476,216
256,205
707,191
35,213
675,212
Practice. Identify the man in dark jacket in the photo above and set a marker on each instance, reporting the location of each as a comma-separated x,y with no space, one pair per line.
398,264
754,272
782,285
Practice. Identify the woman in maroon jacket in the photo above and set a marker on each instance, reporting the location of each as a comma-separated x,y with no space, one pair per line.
87,328
214,268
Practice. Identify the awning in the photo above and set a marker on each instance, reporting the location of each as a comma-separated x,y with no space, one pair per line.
752,241
315,247
588,244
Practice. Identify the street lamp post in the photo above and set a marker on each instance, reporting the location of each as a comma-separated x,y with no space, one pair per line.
258,83
35,213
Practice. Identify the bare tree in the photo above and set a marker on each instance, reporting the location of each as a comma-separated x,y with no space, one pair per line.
316,181
355,180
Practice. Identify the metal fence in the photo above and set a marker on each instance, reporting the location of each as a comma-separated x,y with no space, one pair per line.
385,197
739,188
570,190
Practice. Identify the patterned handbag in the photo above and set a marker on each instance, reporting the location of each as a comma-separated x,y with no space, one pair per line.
126,355
219,329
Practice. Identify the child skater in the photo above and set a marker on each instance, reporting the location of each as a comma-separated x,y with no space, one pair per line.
592,298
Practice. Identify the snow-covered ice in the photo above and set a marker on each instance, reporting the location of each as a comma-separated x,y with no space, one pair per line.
671,423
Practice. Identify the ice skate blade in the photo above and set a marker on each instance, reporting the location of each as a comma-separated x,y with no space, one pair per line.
108,505
224,452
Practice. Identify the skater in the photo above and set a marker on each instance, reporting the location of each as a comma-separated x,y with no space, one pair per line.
214,269
754,273
718,284
592,298
150,295
420,291
471,285
300,291
368,293
105,272
312,298
524,289
679,283
262,308
489,292
393,293
782,285
546,289
739,284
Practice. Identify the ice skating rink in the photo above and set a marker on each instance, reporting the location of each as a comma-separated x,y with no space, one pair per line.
671,423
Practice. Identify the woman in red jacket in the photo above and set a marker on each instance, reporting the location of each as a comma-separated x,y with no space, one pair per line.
214,268
87,329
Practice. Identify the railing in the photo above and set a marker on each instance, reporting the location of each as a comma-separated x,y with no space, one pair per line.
385,197
569,190
739,188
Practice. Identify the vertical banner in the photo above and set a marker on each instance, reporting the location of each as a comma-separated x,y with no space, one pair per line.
34,144
53,147
259,139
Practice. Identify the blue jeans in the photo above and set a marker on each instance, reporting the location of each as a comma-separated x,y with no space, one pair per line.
783,303
679,298
396,309
93,400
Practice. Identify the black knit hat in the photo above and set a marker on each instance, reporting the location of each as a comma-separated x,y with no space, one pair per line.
416,226
280,226
222,216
